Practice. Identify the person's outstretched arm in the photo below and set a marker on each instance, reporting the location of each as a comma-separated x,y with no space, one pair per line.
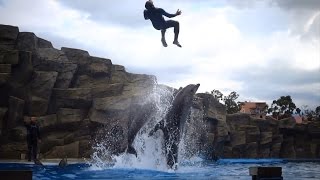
170,15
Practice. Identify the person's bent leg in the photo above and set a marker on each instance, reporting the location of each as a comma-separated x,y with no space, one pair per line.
163,37
29,153
176,30
34,150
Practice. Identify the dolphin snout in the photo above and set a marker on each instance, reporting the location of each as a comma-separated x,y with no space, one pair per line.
197,86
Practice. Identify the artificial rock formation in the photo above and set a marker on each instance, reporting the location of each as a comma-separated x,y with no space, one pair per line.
73,94
269,138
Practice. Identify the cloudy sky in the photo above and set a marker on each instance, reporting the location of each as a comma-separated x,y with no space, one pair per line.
262,49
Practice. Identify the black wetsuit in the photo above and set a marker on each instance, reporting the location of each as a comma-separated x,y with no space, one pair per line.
158,22
33,134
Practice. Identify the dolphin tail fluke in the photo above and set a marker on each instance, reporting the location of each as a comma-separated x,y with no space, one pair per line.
131,150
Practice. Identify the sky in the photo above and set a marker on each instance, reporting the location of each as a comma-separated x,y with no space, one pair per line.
262,49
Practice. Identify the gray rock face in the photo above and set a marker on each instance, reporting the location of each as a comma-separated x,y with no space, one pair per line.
9,57
36,106
76,56
21,76
119,74
15,114
66,115
18,133
107,90
51,54
96,67
85,81
27,41
209,119
41,88
92,71
287,123
69,150
4,78
5,68
74,98
8,36
49,59
3,112
114,113
42,43
270,138
42,83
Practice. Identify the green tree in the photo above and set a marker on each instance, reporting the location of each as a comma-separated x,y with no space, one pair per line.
318,110
217,95
230,102
282,107
312,114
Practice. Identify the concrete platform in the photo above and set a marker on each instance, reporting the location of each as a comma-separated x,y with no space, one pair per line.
16,174
46,161
266,173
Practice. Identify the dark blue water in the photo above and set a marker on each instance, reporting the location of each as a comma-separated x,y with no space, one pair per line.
221,170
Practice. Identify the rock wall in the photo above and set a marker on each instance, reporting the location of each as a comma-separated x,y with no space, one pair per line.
260,138
80,99
74,94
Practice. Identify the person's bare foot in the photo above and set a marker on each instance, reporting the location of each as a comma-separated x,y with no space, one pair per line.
164,43
177,43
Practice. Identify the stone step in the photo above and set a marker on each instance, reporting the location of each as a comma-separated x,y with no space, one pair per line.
9,57
107,90
4,77
5,68
8,36
75,98
37,106
66,115
72,93
56,62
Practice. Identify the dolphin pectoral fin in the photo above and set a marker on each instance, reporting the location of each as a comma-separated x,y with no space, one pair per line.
158,126
131,150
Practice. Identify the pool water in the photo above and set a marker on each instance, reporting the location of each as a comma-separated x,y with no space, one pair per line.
224,169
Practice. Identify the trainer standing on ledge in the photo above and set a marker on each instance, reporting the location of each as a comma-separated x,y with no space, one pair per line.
33,136
159,23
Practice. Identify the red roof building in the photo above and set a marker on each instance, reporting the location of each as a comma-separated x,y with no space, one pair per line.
255,109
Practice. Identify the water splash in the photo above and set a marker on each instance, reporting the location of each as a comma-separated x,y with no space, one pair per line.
149,149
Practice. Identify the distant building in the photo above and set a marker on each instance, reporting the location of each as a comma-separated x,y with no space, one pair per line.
255,109
298,119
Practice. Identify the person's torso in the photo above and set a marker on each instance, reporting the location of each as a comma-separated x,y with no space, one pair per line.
156,17
32,131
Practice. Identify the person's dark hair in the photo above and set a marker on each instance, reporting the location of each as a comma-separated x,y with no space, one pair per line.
149,5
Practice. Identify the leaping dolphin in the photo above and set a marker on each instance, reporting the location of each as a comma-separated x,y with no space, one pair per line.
139,115
173,123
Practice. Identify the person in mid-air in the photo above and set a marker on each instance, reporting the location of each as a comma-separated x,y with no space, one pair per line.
159,23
